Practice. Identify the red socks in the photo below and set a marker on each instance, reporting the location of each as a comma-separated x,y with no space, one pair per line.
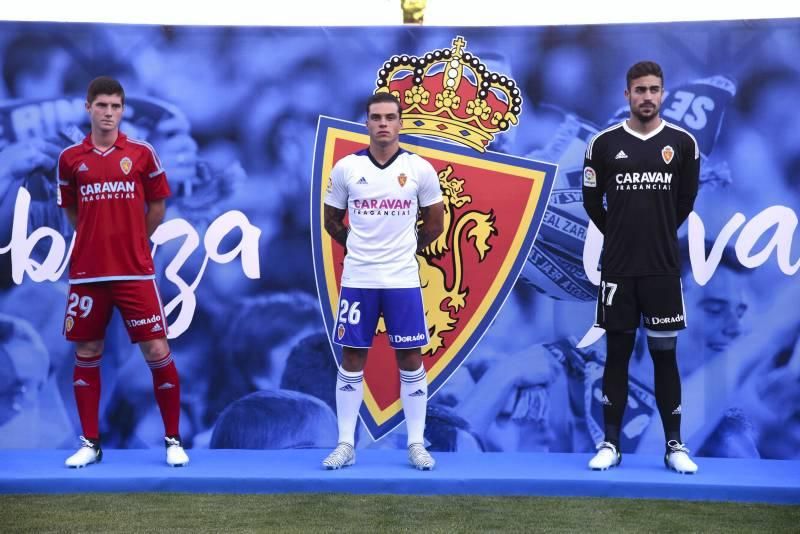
86,384
168,392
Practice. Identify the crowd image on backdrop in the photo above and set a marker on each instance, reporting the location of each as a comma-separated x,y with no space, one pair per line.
257,369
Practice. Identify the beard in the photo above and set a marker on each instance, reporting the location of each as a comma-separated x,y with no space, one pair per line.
645,117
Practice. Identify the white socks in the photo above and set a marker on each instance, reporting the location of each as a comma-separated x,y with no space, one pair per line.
349,395
414,396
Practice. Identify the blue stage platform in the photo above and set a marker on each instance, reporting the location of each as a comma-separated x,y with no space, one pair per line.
387,471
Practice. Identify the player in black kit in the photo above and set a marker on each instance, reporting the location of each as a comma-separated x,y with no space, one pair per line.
648,171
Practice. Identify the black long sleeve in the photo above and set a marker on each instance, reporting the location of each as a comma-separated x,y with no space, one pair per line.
594,189
689,184
638,189
593,204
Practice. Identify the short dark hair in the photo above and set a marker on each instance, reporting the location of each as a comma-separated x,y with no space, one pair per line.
275,419
441,429
311,369
644,68
260,324
384,97
104,85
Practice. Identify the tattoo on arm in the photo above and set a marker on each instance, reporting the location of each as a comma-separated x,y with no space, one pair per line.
334,224
432,225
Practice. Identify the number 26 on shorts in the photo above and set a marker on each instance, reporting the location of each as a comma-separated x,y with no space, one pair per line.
349,313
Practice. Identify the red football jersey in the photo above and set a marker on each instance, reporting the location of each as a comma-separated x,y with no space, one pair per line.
110,190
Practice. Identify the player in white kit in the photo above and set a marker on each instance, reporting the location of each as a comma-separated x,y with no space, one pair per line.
384,190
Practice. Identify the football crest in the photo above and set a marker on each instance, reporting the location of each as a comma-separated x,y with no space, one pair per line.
125,164
69,323
466,274
667,153
493,203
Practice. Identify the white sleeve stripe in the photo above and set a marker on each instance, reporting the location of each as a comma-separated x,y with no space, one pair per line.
696,146
70,146
156,173
58,170
112,278
590,146
58,162
152,151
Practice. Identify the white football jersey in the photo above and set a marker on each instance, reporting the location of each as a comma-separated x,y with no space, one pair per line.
382,203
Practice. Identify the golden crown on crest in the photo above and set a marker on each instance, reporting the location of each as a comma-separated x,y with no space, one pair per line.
450,93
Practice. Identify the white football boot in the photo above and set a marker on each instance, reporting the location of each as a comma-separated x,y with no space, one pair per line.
176,456
89,453
420,458
677,459
607,457
342,456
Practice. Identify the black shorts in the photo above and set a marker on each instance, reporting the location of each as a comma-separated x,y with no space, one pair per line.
625,302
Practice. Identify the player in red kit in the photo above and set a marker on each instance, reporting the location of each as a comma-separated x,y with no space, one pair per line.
113,189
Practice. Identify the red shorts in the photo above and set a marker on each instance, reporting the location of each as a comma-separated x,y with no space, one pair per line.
89,308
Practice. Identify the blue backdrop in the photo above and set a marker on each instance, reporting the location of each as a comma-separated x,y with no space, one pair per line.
233,112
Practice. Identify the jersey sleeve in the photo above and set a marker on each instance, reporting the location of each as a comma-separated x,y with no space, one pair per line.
593,186
66,183
156,186
690,179
336,192
430,192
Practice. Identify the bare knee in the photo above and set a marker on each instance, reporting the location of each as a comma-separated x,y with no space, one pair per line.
154,349
353,360
89,349
409,359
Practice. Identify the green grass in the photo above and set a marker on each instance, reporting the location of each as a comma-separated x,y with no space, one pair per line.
164,512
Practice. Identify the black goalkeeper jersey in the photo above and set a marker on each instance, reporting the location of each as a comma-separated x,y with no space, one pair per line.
650,183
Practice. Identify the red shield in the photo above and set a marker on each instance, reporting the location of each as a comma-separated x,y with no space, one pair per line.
494,205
